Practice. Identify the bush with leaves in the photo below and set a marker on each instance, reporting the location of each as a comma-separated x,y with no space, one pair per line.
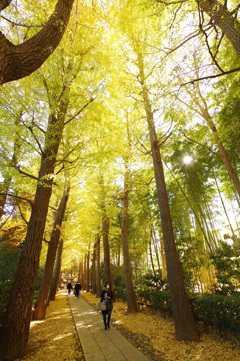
152,281
219,311
227,264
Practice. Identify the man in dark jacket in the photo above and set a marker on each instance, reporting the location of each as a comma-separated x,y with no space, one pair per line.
77,289
69,287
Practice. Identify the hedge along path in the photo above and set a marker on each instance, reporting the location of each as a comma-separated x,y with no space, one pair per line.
54,338
157,334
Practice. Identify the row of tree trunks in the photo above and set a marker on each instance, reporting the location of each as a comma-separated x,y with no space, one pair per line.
42,302
15,326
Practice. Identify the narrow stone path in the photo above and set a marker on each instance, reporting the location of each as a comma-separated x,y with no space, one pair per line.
99,344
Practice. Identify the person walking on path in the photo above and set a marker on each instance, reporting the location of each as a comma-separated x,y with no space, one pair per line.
69,287
107,296
77,289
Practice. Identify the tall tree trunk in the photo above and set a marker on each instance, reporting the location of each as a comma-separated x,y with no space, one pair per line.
223,18
94,275
84,271
185,324
153,236
42,302
163,257
15,327
79,271
151,255
88,270
18,61
106,248
56,272
98,270
131,297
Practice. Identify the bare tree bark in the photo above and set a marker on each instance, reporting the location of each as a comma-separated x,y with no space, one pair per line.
80,272
18,61
131,297
223,18
4,4
15,326
106,248
84,271
151,255
88,270
42,302
163,257
56,272
185,325
98,275
94,275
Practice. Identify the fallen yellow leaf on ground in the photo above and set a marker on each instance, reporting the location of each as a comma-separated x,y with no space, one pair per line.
54,338
149,330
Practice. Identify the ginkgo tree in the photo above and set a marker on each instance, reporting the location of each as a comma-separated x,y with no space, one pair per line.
19,307
111,110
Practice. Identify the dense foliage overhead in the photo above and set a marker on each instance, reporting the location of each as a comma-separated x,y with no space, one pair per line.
122,69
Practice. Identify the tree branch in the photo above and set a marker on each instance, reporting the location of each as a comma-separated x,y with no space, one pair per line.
21,25
206,38
79,112
18,61
15,196
21,214
202,145
212,76
27,174
171,2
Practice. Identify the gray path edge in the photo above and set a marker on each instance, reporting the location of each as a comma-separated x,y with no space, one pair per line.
99,344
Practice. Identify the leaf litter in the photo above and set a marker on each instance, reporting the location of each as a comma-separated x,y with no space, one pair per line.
154,335
55,338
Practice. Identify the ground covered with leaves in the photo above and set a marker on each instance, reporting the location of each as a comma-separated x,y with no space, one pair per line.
154,336
54,338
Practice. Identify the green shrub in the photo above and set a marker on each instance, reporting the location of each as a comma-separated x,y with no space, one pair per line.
4,294
120,293
159,300
226,261
221,312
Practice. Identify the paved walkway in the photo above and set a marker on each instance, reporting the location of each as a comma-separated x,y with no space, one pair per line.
98,344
